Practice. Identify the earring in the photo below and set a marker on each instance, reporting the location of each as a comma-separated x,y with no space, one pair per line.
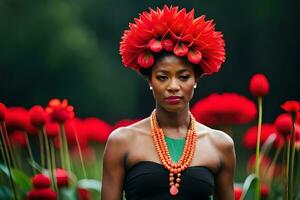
195,86
150,88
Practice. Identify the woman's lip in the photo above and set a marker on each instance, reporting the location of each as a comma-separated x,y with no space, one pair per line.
173,99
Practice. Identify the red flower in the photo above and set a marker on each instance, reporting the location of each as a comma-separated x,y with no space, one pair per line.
41,181
250,137
38,194
284,124
17,118
238,193
73,127
17,138
264,191
97,130
291,106
62,177
124,123
259,85
224,109
88,153
37,116
174,30
60,111
2,111
52,129
83,194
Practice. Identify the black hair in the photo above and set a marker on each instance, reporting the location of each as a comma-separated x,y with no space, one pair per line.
146,72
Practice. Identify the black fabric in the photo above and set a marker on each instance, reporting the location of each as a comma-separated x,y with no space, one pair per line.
148,180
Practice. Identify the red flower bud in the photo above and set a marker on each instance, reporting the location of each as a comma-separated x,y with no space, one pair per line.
291,106
259,85
264,191
2,111
62,177
194,56
41,181
168,44
38,194
145,59
17,138
238,193
284,124
155,45
52,129
17,118
37,116
181,49
83,194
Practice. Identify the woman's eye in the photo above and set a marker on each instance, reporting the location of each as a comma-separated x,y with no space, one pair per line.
184,77
161,78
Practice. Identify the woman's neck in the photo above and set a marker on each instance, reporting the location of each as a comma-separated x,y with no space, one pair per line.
175,122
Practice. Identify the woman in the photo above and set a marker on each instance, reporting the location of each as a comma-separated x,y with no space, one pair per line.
169,155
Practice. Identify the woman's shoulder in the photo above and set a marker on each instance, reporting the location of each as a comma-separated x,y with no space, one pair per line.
218,138
126,134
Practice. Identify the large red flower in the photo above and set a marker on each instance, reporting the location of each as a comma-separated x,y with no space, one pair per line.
41,181
60,111
2,111
38,194
291,106
259,85
250,137
97,130
224,109
75,127
37,116
170,29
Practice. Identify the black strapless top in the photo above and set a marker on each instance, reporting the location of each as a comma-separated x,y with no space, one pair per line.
149,180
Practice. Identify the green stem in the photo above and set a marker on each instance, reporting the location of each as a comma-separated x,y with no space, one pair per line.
65,148
257,164
273,163
293,116
11,158
42,147
61,151
80,152
52,152
7,158
30,152
287,169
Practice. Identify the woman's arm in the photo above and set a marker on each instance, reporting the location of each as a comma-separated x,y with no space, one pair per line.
224,179
113,166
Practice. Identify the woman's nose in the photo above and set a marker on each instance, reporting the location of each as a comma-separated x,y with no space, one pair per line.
173,85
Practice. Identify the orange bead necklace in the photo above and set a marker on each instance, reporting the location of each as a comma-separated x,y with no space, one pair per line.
164,155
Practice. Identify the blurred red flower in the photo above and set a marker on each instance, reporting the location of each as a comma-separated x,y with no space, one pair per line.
37,116
259,85
284,124
238,193
124,123
224,109
250,137
291,106
17,138
264,164
39,194
52,129
264,191
88,153
17,118
75,127
60,111
62,177
83,194
97,130
41,181
2,111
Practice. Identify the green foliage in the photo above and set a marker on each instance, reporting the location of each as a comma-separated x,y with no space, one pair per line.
249,187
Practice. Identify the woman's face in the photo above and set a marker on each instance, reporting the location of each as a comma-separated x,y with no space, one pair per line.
172,82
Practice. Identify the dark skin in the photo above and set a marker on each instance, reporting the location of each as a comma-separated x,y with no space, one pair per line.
171,76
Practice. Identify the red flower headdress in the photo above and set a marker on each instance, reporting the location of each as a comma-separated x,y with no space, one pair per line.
174,30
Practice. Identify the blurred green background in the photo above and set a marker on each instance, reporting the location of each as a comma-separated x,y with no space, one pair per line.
70,49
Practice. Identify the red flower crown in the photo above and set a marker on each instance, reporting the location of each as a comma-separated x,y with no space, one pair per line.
172,30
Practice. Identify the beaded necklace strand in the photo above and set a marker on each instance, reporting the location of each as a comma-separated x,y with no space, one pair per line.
175,169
